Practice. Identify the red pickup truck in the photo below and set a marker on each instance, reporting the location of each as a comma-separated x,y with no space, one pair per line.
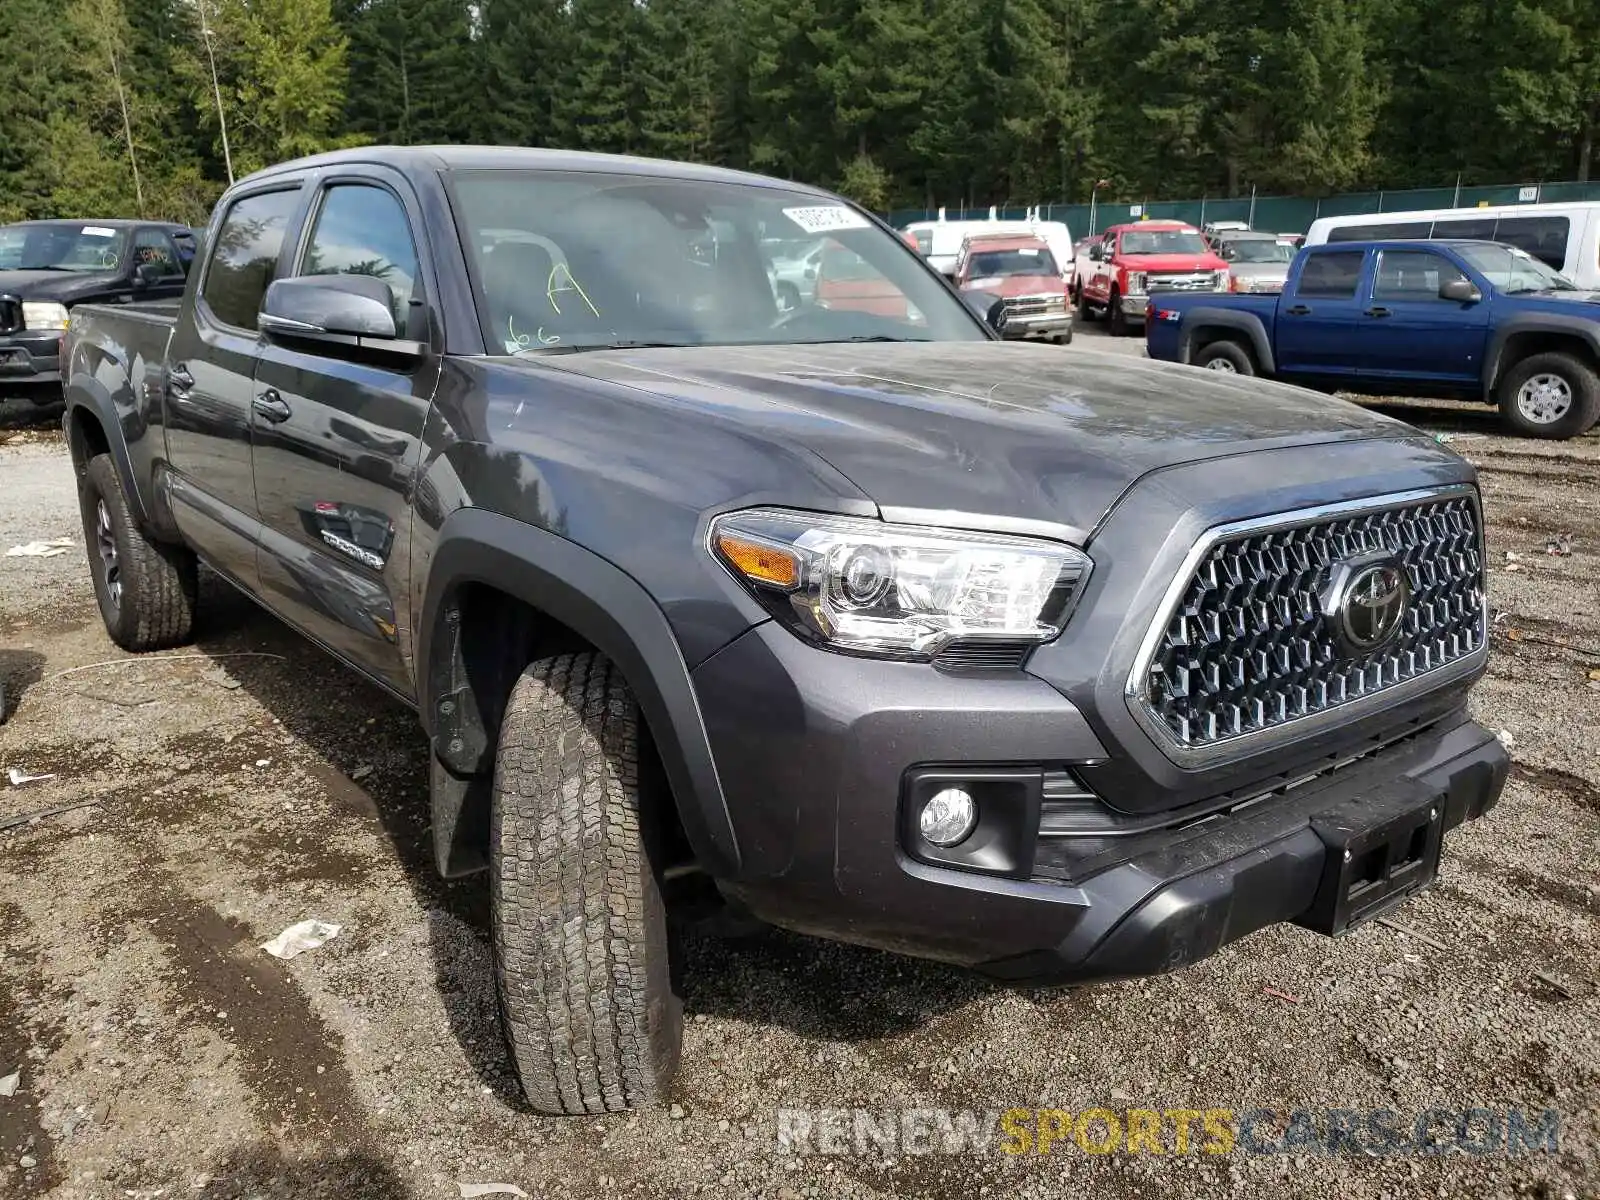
1131,262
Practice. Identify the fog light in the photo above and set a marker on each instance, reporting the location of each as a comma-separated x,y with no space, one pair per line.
948,817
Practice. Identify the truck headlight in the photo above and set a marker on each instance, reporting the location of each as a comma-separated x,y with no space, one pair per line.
1136,283
898,591
1219,281
43,314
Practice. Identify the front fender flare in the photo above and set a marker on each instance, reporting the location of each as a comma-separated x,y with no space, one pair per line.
609,609
1581,329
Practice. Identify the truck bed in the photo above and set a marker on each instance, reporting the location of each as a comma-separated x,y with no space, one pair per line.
1175,311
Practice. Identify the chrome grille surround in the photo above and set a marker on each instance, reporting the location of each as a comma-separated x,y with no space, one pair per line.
1202,281
1033,305
1239,657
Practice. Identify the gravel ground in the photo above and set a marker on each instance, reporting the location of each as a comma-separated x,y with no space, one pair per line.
162,1054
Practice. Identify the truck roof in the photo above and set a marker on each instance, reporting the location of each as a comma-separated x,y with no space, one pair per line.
1135,225
512,158
106,222
1003,241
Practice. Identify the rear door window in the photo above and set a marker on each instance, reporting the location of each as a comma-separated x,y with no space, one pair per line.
1380,231
245,256
1333,276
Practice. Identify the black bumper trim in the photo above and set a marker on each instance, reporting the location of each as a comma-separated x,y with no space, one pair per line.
1251,870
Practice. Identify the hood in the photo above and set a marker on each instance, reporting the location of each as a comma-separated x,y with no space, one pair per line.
54,285
1554,300
1017,285
1259,270
1005,429
1171,262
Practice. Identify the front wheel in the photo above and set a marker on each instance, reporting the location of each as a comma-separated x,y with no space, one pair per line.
583,961
1119,319
146,590
1551,395
1085,312
1226,356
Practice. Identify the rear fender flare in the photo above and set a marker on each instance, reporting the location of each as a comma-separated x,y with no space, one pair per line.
610,610
85,394
1255,332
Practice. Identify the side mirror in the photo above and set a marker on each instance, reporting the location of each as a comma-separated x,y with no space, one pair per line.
990,311
1462,291
147,275
344,310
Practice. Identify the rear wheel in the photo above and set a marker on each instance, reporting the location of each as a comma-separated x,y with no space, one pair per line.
1226,356
583,962
146,589
1550,395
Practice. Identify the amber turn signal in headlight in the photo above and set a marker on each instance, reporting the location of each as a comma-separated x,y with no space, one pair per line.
899,591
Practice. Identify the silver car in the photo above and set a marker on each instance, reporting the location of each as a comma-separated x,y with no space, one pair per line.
1257,262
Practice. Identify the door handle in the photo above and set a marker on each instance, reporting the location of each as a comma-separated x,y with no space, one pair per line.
1379,311
1299,310
270,406
178,379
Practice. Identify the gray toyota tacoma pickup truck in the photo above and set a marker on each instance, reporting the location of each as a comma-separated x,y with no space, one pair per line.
1059,666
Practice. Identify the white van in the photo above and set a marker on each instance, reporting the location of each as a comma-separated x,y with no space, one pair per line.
940,241
1563,236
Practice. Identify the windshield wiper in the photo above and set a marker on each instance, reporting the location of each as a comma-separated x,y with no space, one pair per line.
50,267
863,337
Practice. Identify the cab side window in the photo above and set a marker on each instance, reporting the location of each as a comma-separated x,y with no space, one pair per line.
245,256
361,229
1413,275
153,248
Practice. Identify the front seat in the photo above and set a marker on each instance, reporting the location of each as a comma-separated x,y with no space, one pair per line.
516,281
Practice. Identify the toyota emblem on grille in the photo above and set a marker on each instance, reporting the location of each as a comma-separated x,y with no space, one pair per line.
1366,600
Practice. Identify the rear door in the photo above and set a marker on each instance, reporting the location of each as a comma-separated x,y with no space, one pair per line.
1315,330
337,433
1407,331
210,380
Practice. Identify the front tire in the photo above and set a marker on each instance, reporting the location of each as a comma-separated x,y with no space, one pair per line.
1226,356
1085,312
146,590
1119,319
583,962
1552,395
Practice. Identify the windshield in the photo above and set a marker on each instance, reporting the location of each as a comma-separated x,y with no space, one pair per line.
41,247
569,261
1513,270
1257,250
1026,260
1163,241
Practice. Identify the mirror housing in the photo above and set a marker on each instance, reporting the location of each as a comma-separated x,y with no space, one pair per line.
146,275
349,311
1462,291
991,311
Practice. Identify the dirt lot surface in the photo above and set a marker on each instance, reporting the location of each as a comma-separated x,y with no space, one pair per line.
251,783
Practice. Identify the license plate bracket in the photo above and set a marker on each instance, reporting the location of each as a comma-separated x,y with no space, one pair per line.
1380,851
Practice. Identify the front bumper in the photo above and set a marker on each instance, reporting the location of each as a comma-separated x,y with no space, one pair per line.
30,356
1032,325
813,748
1133,306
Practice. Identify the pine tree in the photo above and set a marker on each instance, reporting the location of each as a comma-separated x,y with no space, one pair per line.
521,44
411,71
600,99
681,101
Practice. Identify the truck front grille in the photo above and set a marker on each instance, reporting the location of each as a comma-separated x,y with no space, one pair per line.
1027,306
1249,646
1205,281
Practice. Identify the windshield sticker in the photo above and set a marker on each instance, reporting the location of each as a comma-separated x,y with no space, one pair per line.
97,231
1029,252
825,218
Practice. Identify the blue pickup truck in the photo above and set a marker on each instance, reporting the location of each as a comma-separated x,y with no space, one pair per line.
1471,320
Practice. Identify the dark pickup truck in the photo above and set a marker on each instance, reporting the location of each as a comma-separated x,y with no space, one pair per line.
1471,320
49,267
864,623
